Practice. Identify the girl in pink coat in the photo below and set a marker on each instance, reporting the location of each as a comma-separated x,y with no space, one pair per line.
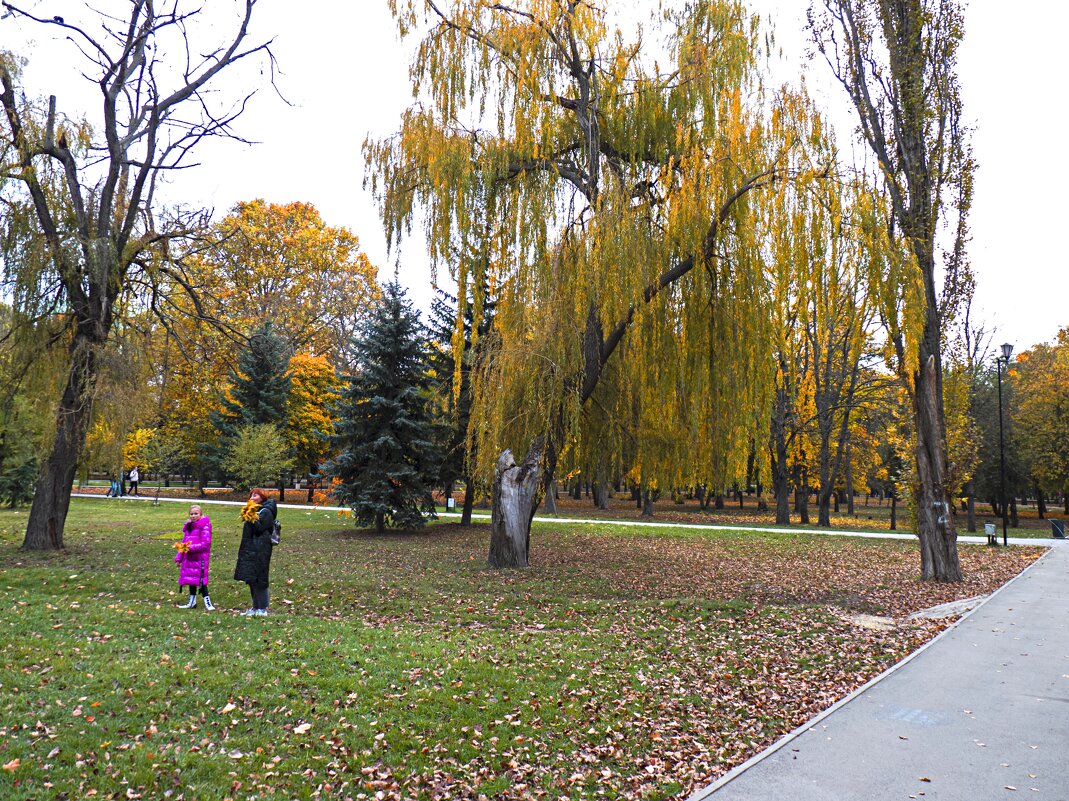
194,553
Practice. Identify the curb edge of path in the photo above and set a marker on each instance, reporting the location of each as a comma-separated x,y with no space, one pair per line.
706,792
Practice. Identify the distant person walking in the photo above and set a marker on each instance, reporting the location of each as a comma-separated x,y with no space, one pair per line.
135,477
254,553
193,557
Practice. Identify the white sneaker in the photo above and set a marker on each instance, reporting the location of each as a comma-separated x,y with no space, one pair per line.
208,605
260,612
190,604
249,612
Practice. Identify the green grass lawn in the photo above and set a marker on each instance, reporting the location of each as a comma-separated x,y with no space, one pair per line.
627,663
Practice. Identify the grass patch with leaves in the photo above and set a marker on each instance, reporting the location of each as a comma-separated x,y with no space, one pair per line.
623,665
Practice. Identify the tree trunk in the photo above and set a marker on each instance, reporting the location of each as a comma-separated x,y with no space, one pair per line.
515,496
468,502
52,495
549,498
1041,503
935,527
849,479
781,484
894,512
801,496
1014,522
647,502
601,493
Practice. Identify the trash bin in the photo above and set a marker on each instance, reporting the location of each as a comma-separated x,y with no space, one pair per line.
1057,529
989,530
450,503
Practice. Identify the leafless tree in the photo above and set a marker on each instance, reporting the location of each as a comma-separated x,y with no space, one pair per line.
93,190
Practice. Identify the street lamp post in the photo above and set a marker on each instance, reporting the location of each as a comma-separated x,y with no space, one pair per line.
1007,350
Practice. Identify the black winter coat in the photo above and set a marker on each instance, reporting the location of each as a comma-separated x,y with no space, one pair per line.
254,553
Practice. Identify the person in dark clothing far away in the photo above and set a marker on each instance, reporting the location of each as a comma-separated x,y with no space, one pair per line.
254,553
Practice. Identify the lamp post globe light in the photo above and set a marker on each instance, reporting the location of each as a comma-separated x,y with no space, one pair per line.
1007,351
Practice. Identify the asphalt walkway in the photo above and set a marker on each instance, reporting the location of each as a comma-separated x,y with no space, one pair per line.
979,713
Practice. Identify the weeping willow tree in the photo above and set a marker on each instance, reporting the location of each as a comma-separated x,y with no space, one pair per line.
896,59
605,182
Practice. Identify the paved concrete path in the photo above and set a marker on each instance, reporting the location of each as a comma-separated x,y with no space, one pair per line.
980,713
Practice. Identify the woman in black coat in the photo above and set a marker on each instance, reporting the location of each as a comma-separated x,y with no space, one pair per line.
254,553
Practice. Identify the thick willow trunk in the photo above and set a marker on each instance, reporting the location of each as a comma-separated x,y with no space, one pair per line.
515,496
52,495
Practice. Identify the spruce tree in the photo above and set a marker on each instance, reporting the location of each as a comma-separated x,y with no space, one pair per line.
258,389
388,459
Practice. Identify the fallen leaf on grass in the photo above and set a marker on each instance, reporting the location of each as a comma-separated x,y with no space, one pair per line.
12,765
302,729
228,708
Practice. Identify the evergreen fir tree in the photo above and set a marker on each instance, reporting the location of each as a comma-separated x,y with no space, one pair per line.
258,389
388,459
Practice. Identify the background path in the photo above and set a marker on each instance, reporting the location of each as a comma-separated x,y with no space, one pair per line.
884,535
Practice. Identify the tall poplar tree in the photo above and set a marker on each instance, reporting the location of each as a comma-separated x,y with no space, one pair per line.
896,59
386,432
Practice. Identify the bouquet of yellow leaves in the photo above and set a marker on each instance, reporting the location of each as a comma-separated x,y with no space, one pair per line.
182,547
250,512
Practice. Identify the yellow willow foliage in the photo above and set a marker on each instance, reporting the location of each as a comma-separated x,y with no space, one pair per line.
964,437
896,284
589,181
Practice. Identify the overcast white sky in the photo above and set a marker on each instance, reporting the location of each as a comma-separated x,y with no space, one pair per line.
345,73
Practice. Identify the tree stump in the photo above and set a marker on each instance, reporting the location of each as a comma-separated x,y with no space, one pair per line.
515,496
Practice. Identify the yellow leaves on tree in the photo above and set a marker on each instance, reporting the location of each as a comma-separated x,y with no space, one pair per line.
603,199
314,389
281,262
133,453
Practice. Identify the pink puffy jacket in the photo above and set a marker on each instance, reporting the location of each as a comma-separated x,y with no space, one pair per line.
194,564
